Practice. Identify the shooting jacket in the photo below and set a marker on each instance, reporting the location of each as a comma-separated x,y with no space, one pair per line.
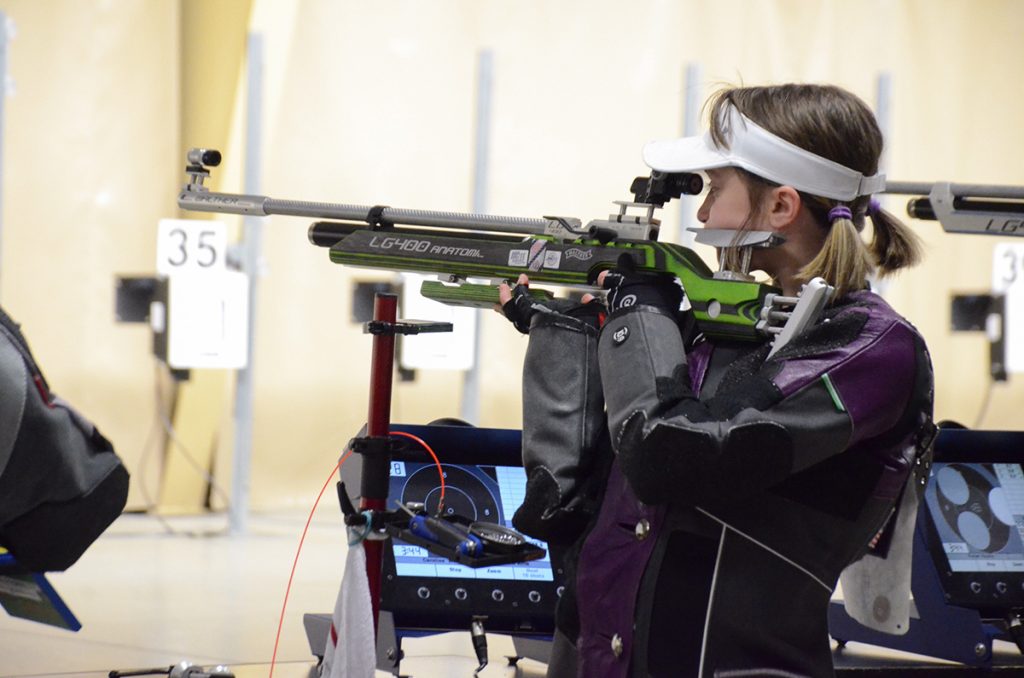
740,489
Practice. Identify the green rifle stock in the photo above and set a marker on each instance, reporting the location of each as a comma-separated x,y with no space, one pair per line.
458,246
722,307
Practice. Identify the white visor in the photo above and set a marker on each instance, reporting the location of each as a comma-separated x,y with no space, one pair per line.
760,152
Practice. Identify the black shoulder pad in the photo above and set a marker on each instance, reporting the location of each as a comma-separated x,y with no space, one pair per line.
839,330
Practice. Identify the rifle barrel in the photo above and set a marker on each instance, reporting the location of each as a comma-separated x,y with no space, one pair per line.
395,215
959,190
207,201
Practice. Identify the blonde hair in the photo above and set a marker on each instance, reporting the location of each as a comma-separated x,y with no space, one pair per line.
835,124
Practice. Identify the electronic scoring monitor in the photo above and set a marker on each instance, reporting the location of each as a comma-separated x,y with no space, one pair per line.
974,516
484,481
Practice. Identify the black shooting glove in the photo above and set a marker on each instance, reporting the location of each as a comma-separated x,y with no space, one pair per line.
629,287
522,308
563,413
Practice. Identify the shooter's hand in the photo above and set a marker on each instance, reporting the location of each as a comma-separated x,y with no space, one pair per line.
519,307
505,291
629,287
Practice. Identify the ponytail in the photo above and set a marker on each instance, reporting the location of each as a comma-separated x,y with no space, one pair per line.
894,245
845,261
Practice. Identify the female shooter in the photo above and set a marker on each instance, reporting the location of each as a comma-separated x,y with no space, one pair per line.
731,488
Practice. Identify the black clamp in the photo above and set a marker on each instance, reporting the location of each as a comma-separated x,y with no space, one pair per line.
371,447
377,327
375,445
380,446
355,518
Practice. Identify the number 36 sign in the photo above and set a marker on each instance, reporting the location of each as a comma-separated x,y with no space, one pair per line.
189,245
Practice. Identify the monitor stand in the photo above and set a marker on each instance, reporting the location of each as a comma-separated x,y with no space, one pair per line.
389,641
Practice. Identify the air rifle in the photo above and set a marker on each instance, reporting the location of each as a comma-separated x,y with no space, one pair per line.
558,250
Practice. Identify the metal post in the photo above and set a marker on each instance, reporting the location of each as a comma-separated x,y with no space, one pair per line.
692,101
376,468
470,408
252,248
883,113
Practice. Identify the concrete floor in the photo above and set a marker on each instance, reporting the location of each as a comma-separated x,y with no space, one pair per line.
148,597
153,593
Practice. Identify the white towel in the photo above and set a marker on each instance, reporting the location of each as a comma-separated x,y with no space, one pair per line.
350,651
876,591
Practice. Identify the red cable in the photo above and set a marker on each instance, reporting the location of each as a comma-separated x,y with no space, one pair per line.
436,462
337,467
284,605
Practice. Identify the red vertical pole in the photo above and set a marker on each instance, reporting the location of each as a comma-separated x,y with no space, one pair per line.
376,468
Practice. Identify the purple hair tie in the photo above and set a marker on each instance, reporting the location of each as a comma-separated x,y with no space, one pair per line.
874,207
839,212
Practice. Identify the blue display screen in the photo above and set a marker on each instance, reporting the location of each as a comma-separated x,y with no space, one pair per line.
978,512
477,492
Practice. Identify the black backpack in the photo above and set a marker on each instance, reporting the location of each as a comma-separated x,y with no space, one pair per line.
61,484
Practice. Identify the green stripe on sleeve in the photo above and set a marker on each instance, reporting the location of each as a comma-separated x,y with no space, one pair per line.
836,400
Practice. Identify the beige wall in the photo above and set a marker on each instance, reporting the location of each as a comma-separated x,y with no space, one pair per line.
90,151
373,103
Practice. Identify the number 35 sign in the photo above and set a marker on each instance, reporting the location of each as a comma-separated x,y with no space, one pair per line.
189,245
203,315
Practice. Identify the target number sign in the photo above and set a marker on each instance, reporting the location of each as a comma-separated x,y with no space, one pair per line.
189,245
1008,280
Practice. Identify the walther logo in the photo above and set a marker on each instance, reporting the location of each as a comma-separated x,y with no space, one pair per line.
577,253
226,200
420,246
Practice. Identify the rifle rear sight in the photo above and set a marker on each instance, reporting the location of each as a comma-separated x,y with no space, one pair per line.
199,159
661,187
